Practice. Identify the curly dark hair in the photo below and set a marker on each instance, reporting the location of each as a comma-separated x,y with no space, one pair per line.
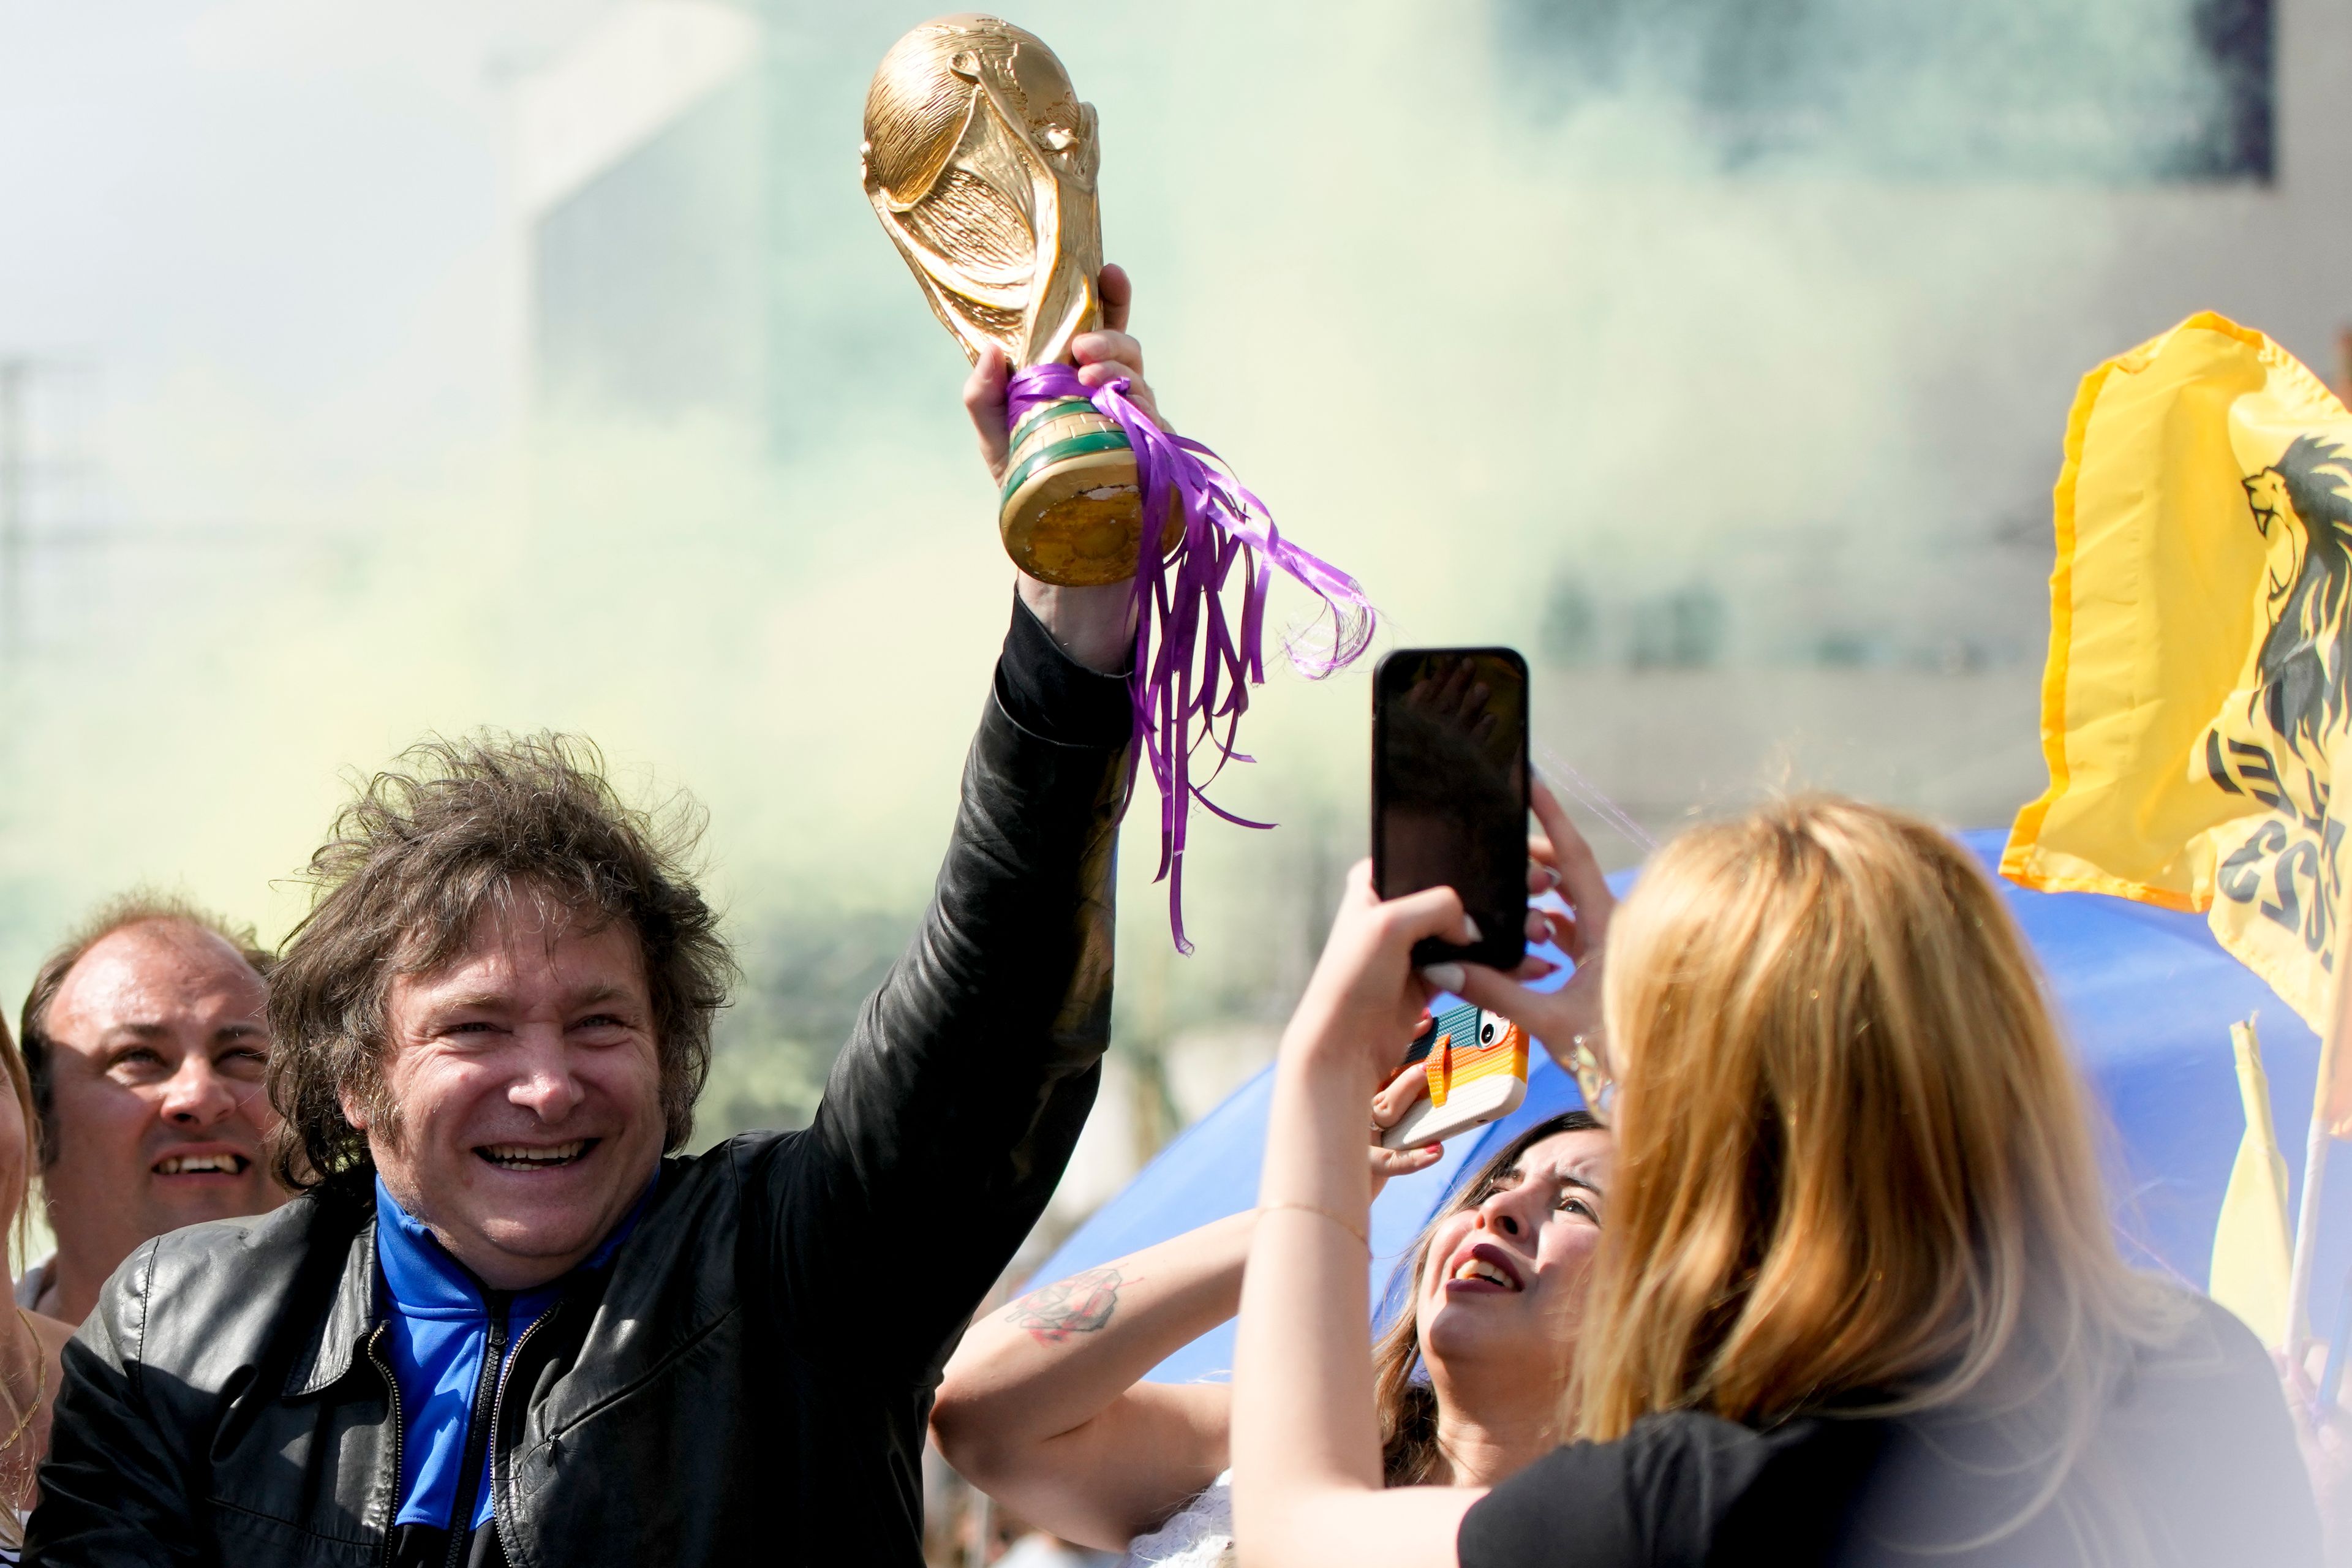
454,830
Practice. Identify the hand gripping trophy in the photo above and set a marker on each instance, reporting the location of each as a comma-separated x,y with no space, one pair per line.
981,160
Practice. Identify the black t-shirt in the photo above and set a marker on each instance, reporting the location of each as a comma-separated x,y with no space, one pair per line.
2197,1453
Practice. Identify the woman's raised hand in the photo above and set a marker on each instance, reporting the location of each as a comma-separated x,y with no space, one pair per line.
1364,1003
1366,1000
1560,858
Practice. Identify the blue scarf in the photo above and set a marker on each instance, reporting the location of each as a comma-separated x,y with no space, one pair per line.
439,1331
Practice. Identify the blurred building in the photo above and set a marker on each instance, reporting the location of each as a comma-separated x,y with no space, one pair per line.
2159,91
636,171
666,165
1891,646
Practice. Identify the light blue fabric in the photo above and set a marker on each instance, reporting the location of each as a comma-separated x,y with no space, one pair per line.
439,1329
2146,998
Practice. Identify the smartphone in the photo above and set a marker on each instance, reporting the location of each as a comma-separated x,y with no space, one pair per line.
1450,791
1476,1063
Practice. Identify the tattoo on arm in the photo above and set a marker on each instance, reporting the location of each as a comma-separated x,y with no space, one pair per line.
1078,1305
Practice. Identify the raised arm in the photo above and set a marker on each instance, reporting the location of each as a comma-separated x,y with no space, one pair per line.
1307,1448
948,1117
951,1111
1041,1406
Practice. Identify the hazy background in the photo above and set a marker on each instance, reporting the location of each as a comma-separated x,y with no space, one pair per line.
366,372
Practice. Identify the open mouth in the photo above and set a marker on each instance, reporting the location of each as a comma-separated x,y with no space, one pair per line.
201,1165
1486,1269
535,1156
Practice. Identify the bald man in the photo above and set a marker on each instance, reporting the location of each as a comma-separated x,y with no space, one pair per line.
146,1038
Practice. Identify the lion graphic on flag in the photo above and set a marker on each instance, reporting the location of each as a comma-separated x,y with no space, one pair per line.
2199,695
2303,507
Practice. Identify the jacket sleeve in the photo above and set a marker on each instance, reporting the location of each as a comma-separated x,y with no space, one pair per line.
114,1488
950,1112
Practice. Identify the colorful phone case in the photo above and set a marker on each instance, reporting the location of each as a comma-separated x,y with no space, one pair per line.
1477,1064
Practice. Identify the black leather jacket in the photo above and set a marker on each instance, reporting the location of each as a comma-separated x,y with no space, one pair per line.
749,1380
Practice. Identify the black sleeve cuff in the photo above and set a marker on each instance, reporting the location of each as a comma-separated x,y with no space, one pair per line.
1052,695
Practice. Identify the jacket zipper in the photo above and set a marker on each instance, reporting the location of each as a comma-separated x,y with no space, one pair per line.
499,1400
478,1429
399,1426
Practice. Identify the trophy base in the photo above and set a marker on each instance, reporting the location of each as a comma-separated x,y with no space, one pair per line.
1071,513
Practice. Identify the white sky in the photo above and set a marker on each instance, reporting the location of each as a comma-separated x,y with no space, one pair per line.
286,214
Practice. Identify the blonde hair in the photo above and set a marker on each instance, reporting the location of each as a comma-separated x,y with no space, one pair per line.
1855,1172
20,1084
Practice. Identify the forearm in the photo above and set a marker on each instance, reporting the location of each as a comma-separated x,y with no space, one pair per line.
1094,625
972,1071
1307,1448
1302,1370
1059,1357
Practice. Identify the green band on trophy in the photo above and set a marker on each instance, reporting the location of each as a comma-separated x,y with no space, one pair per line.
1060,409
1062,451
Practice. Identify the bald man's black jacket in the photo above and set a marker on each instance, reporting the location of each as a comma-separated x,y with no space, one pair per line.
751,1379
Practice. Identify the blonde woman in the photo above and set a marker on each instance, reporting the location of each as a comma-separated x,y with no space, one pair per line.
1858,1301
30,1343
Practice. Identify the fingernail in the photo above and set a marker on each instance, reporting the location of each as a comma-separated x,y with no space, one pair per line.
1444,976
1470,931
1431,1148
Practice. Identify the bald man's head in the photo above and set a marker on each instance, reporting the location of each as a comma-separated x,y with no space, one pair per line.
146,1037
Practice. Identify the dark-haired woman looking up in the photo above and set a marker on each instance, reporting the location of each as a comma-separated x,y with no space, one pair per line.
1044,1408
1858,1302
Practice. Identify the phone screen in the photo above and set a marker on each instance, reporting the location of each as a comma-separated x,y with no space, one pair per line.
1450,790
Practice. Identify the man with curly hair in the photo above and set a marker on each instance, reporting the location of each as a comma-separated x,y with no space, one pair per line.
504,1324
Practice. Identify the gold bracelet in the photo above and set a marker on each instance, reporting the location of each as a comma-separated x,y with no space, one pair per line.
1327,1213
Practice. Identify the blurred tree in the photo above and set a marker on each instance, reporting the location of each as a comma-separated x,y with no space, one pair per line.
1570,633
1681,630
806,972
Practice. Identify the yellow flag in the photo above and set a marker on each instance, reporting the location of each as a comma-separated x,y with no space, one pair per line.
2200,679
2251,1247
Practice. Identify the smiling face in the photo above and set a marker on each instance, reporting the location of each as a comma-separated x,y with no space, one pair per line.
528,1093
1506,1276
158,1047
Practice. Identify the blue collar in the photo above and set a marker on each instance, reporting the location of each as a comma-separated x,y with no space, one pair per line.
424,1281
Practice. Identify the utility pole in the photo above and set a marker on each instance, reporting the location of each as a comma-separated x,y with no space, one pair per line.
14,590
38,471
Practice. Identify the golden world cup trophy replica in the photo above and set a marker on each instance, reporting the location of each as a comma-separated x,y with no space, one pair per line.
980,162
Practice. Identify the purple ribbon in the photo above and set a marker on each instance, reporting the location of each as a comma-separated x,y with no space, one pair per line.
1192,669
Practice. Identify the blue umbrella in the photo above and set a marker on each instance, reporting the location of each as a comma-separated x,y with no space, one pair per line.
2146,998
